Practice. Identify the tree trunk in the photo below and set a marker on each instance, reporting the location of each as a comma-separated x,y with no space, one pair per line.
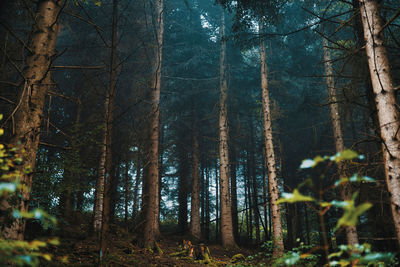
115,182
195,230
253,176
202,199
270,154
249,198
217,205
106,156
265,199
207,219
106,176
28,114
345,190
226,214
127,192
135,204
151,206
247,202
385,99
234,193
161,165
182,188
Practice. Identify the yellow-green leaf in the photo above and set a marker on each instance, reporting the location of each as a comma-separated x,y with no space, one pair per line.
351,214
296,196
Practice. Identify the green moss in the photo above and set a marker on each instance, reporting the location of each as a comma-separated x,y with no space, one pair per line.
157,249
237,258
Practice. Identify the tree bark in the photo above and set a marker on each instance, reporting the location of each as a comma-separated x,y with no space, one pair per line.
151,206
135,204
29,111
107,176
249,218
195,230
265,199
182,187
385,99
345,190
234,193
226,214
106,155
207,197
270,154
127,192
253,176
217,204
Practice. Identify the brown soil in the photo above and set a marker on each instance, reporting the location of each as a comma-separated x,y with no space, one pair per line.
122,252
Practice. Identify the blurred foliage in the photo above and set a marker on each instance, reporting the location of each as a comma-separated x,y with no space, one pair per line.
20,252
358,255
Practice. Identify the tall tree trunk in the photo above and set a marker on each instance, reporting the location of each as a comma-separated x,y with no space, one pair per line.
234,193
70,177
127,192
207,219
151,206
247,202
27,115
217,204
385,98
202,198
265,199
195,230
115,182
106,176
253,176
135,204
270,154
161,165
226,214
248,184
106,156
345,190
307,224
182,187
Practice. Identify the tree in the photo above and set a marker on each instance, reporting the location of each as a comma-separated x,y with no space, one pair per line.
226,214
270,154
151,203
104,170
346,192
27,115
195,229
385,99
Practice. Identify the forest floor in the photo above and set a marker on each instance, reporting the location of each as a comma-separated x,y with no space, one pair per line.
81,250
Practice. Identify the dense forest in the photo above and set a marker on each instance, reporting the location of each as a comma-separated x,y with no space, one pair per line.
199,132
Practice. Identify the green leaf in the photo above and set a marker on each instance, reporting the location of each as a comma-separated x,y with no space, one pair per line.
347,154
311,163
296,196
351,214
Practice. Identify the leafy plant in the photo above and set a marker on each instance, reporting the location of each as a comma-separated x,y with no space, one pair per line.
19,252
358,255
